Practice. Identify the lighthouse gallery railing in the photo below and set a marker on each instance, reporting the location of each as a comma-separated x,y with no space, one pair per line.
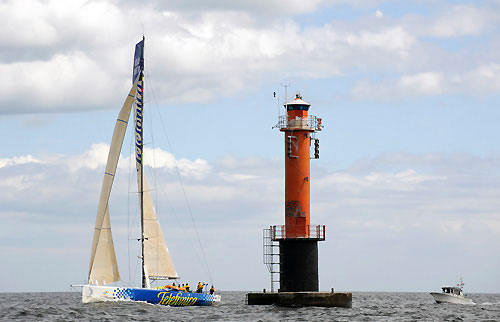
316,232
311,123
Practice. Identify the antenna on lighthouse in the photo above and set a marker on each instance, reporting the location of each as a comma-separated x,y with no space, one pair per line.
286,95
278,101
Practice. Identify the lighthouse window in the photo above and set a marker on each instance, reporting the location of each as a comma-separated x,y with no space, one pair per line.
297,107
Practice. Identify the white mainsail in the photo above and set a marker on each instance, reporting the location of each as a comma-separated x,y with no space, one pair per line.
103,267
157,258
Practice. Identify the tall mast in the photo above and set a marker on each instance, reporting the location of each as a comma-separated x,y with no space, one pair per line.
142,164
138,73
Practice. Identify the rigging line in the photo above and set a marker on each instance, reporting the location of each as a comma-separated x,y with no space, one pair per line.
172,209
205,264
182,186
184,231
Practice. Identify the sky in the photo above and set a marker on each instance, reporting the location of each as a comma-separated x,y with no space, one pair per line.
408,180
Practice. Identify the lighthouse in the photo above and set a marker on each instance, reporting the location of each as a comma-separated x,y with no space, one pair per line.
291,249
298,239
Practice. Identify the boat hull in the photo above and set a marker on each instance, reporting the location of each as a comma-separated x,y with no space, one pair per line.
451,298
92,293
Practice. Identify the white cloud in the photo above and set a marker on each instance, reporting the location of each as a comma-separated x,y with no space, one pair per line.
160,159
26,27
452,226
462,20
255,7
408,180
484,79
17,183
96,157
423,83
196,55
18,160
237,177
407,86
70,80
80,56
395,39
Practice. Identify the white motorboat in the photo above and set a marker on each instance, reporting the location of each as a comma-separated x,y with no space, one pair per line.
452,294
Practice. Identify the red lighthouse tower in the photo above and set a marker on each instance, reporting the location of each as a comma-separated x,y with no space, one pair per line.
298,239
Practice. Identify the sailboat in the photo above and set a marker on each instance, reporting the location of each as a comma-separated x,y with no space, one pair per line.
157,263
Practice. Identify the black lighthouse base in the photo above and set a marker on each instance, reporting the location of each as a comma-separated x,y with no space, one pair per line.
298,265
298,299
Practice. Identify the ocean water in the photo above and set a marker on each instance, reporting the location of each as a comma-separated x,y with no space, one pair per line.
366,307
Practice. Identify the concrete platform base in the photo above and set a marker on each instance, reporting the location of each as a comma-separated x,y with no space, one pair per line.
301,299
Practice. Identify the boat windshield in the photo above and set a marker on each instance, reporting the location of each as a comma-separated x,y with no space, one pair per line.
452,290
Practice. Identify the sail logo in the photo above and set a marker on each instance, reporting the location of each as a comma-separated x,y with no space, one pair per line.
138,124
167,298
137,68
138,60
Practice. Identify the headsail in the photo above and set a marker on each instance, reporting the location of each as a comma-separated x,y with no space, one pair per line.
156,256
103,267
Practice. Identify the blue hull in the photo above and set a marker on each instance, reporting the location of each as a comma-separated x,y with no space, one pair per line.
171,297
168,297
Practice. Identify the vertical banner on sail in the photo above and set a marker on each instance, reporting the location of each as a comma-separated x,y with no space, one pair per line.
138,115
138,122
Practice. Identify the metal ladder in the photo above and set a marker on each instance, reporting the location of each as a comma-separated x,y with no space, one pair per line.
271,257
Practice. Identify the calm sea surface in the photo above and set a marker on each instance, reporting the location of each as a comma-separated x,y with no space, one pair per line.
366,307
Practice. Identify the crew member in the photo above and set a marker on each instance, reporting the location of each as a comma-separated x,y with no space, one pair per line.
212,290
199,289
